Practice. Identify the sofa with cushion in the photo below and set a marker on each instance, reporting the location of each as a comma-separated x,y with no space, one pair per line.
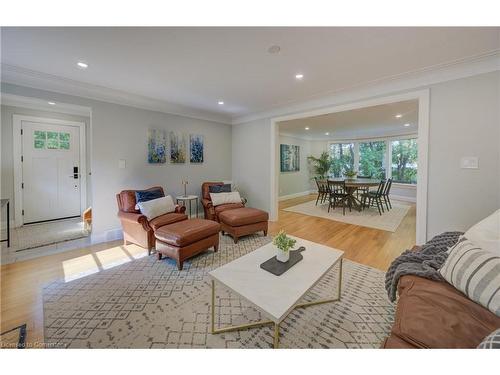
438,314
137,228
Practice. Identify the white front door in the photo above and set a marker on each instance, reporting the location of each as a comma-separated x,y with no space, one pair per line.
51,171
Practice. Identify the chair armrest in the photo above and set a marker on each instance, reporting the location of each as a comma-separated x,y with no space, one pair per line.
206,203
180,209
132,218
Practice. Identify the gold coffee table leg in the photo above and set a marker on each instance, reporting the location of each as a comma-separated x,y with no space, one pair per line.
276,335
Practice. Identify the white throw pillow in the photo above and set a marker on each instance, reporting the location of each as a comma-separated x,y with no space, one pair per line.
157,207
486,233
225,198
475,272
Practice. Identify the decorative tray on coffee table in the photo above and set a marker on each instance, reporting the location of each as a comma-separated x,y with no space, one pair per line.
278,268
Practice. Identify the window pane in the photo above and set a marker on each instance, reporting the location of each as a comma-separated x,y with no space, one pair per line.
39,135
64,145
342,158
39,143
52,140
404,161
64,137
372,159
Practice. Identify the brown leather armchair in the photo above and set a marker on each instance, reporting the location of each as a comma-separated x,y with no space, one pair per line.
211,212
136,227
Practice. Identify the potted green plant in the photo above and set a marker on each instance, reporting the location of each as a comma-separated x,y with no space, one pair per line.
351,174
283,245
321,165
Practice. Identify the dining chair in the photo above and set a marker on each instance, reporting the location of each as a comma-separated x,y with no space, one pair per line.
322,190
385,194
374,197
363,189
337,195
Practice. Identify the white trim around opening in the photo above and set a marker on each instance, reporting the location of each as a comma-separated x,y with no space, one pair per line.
17,148
423,146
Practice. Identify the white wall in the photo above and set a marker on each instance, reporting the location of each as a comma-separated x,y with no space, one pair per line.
251,152
291,183
7,185
120,132
464,121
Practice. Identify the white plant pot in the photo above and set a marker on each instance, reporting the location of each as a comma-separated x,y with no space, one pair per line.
282,256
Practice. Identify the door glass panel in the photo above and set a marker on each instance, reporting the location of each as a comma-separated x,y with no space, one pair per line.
39,139
64,145
52,140
64,137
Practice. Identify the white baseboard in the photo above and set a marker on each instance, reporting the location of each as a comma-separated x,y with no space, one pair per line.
403,198
106,236
295,195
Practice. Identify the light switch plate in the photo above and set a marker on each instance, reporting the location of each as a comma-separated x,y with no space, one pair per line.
469,162
122,164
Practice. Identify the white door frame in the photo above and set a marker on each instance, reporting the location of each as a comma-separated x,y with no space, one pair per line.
18,165
423,97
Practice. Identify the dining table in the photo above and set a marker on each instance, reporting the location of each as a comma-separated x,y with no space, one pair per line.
352,185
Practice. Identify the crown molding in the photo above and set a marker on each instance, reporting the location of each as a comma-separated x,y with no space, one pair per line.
422,78
26,77
43,105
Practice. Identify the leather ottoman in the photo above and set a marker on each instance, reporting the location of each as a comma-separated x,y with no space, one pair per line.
243,221
184,239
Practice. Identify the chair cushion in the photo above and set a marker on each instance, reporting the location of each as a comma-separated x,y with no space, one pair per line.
166,219
432,314
157,207
225,198
127,200
229,206
186,232
486,233
243,216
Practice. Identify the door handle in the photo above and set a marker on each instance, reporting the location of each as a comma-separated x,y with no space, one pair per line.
75,176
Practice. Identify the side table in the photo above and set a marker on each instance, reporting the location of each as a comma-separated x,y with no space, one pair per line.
190,198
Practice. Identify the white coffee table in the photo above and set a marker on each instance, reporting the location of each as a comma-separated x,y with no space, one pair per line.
276,296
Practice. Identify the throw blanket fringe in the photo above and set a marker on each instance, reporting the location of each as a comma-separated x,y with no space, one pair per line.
423,263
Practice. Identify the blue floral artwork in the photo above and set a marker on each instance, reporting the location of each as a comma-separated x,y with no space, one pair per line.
177,147
157,145
196,148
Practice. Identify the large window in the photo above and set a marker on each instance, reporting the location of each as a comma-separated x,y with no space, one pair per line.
404,161
378,158
342,158
372,159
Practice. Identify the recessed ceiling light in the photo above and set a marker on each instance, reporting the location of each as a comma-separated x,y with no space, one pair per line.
327,133
51,103
82,65
220,102
406,125
399,115
299,76
307,128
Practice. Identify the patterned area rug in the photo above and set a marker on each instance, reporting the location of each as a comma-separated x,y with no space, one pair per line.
369,217
150,304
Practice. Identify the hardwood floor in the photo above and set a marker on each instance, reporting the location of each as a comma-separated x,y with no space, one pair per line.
373,247
22,283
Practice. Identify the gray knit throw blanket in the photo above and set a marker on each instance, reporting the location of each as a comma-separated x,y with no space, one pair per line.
423,263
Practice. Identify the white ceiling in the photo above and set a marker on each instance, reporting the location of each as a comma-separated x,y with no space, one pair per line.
375,121
196,67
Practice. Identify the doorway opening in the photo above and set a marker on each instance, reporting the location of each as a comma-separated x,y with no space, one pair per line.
378,140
